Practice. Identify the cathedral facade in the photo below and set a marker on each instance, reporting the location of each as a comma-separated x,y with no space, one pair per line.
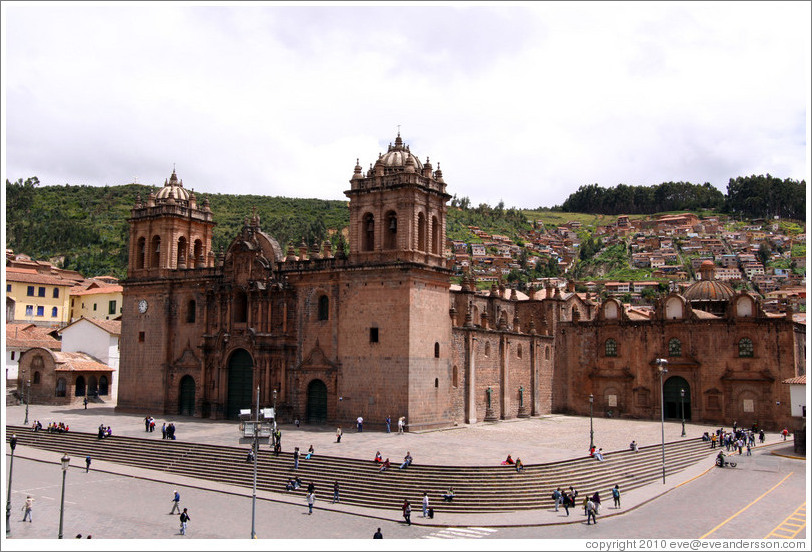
381,331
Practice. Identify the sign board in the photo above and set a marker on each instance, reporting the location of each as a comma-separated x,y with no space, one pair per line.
748,405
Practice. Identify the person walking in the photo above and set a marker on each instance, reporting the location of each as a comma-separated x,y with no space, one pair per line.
311,498
84,402
566,502
163,431
401,423
388,424
184,519
407,512
175,502
557,497
27,508
338,434
296,458
425,504
616,496
378,534
335,493
87,463
360,422
590,512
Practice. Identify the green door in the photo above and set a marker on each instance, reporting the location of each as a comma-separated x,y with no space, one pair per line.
186,404
240,383
673,399
316,402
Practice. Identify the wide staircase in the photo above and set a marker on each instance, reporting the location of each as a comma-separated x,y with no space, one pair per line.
478,489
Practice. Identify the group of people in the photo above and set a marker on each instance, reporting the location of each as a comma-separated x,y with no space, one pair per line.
510,462
53,427
598,454
737,440
591,504
386,464
105,431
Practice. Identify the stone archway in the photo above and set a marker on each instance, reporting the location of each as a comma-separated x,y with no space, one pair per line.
186,400
240,383
316,402
673,400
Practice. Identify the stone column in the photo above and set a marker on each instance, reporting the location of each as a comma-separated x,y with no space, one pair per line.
470,379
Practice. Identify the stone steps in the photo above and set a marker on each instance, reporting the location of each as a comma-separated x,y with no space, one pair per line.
478,489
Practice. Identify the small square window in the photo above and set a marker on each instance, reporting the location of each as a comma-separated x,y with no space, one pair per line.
56,293
40,311
373,335
41,292
94,306
30,292
111,307
29,310
8,288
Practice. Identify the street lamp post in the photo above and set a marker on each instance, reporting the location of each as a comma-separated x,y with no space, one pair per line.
682,409
662,363
591,433
256,454
13,444
65,465
27,395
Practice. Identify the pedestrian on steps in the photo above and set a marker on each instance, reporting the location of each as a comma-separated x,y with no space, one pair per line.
616,496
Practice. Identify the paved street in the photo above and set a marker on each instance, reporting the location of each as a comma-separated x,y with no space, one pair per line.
117,502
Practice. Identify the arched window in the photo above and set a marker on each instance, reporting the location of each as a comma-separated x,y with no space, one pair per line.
240,306
435,236
61,387
199,261
104,385
519,351
547,352
368,232
182,250
155,262
421,232
745,347
610,348
455,376
487,349
80,387
391,232
37,363
436,350
37,378
436,382
674,347
324,307
141,252
54,312
191,311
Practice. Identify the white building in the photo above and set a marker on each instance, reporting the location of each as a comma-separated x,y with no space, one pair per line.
97,338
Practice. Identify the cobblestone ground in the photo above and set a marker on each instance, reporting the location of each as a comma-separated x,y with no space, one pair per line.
534,440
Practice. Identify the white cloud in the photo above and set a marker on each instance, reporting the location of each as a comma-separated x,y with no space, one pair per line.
523,103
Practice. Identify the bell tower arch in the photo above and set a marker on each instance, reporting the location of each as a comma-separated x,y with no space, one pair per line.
169,231
398,209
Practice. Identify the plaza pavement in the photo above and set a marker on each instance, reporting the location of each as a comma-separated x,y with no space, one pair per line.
535,440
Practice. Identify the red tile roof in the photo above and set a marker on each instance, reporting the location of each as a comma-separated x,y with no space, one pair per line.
798,379
27,336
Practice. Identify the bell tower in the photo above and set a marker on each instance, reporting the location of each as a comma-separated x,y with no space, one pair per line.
398,210
169,232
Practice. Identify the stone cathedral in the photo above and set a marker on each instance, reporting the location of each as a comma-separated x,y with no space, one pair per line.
381,331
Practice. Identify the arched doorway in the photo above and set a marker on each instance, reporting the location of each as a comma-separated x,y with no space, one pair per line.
673,399
92,386
80,387
240,383
316,402
186,402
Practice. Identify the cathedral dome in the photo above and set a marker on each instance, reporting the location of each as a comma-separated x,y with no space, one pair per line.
173,188
708,289
399,156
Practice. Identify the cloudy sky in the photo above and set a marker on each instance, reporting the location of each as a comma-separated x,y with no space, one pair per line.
522,102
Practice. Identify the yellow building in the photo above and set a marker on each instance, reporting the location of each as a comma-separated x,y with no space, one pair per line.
40,299
96,299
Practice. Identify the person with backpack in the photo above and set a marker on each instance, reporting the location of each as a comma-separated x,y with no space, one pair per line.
557,495
407,512
616,496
